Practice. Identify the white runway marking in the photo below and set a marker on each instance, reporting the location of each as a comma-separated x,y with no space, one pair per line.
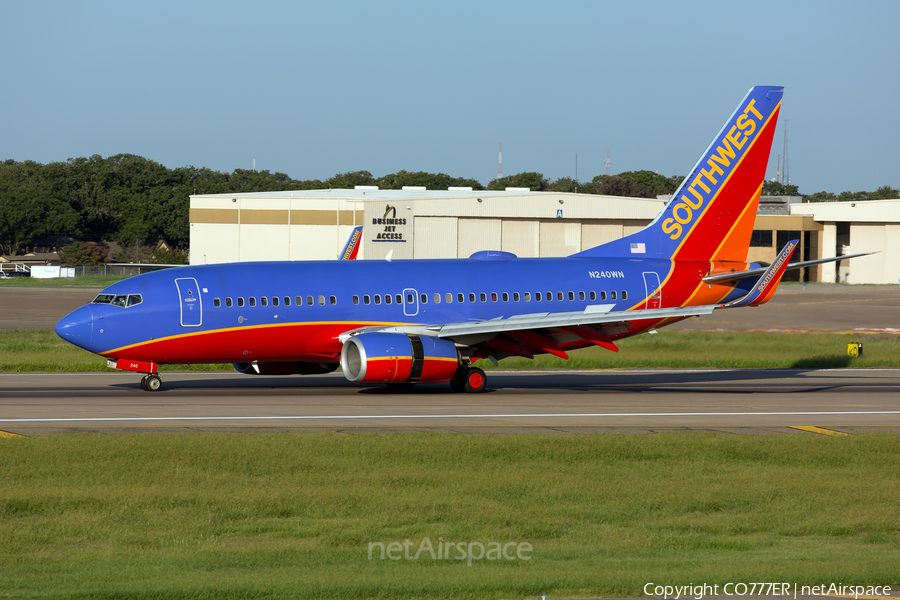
467,416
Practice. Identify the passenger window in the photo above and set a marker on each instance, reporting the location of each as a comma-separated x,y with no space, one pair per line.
240,302
471,297
612,295
624,294
425,298
366,299
332,300
216,302
274,300
251,301
581,295
298,300
559,296
321,300
493,296
483,296
377,298
537,296
505,297
388,299
287,300
460,298
309,301
356,299
410,299
449,298
527,296
263,301
549,296
515,296
228,302
399,298
572,295
437,298
593,295
603,295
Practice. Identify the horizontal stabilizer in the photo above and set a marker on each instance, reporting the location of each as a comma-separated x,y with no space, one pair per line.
764,289
798,265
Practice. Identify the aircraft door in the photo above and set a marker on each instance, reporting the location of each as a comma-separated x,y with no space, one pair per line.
652,290
410,302
189,301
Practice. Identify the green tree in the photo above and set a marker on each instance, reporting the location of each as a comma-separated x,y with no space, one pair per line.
82,253
656,183
536,182
613,185
775,188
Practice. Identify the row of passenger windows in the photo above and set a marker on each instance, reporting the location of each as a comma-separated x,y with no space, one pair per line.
411,299
276,301
494,297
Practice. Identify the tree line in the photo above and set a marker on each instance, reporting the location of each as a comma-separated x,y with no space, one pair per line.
138,202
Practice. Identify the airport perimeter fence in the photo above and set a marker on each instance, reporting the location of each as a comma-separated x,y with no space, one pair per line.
118,270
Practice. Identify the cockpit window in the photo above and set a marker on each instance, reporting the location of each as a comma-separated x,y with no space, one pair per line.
118,300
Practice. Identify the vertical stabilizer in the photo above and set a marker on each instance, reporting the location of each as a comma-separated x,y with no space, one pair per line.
711,214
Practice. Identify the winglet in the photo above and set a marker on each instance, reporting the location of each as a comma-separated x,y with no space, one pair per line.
764,289
352,248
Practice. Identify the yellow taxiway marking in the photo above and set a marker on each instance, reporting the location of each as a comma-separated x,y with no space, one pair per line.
813,429
6,434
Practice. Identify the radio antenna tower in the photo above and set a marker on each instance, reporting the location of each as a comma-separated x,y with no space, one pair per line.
786,177
500,163
607,163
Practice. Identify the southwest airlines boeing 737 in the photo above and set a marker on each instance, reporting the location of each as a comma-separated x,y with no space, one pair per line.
408,321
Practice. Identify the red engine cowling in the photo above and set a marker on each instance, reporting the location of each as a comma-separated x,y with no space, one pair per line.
398,358
284,368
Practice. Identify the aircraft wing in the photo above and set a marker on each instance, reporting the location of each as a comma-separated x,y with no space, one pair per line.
592,315
734,276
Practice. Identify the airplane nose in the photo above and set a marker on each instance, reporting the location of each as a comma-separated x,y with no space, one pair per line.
77,327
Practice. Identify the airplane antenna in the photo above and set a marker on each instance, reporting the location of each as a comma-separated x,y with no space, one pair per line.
784,161
607,163
500,163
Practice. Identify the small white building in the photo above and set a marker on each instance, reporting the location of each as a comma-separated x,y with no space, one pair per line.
854,227
414,223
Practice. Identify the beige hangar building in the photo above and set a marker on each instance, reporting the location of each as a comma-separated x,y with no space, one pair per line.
413,223
455,223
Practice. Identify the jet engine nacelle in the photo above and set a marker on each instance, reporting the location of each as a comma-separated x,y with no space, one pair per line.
284,368
398,358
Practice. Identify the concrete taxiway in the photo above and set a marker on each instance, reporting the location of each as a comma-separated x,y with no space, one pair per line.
797,401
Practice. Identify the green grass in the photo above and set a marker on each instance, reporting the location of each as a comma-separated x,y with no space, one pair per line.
87,281
44,351
278,516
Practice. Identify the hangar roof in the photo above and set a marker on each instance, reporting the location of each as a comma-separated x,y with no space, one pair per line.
872,211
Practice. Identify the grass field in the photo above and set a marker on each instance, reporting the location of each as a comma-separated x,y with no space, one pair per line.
279,516
40,351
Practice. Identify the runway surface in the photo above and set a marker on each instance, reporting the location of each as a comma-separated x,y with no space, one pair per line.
821,401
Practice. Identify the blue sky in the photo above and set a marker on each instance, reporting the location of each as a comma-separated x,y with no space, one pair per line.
313,89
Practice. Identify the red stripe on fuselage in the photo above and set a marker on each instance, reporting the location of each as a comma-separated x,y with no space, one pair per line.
292,341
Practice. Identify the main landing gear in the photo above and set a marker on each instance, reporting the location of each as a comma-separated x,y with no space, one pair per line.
471,380
151,382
